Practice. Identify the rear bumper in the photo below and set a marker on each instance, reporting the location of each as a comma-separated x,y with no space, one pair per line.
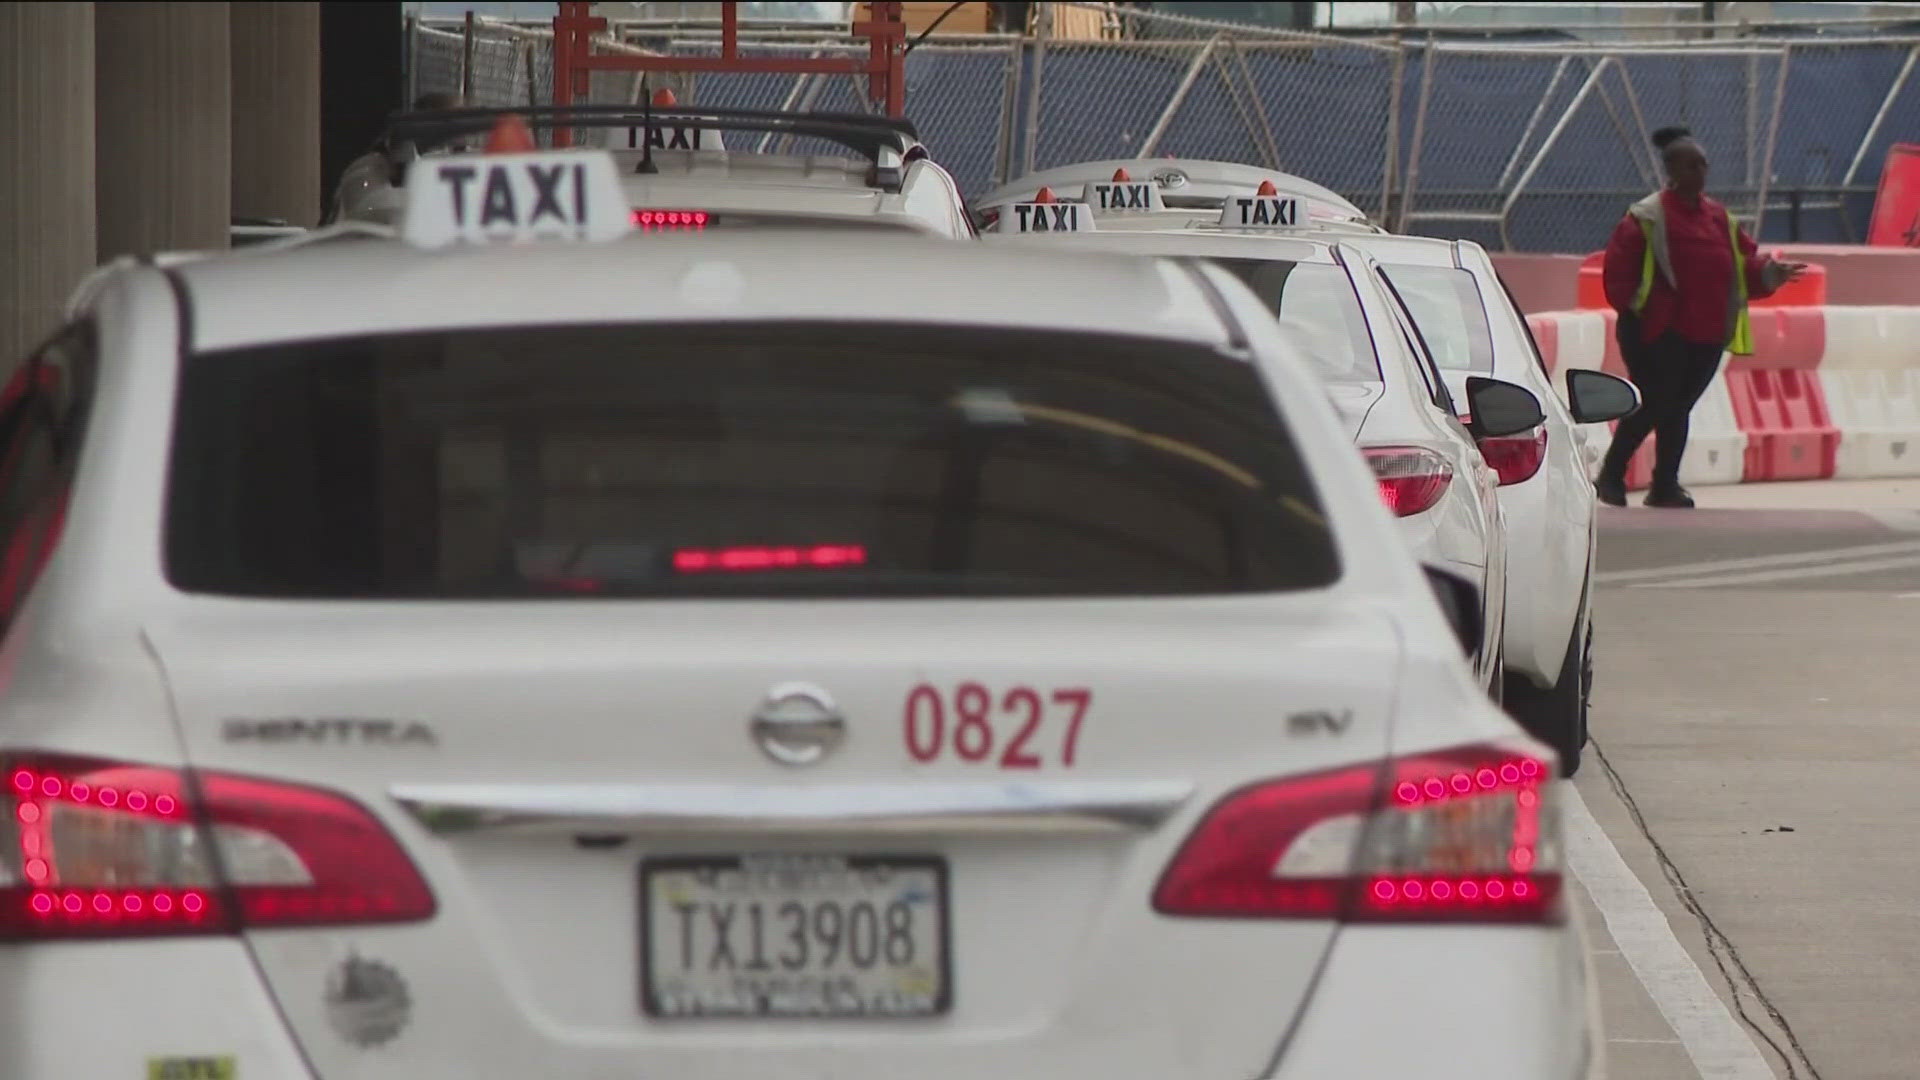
1450,1003
113,1008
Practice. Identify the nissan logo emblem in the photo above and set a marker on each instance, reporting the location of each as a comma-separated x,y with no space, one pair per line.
798,724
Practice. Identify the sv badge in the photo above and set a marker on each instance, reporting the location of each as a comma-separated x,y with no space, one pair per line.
1320,721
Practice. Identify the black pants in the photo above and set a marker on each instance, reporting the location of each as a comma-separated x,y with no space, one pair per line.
1672,373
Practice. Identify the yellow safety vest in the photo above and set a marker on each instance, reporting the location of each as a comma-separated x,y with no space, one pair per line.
1742,343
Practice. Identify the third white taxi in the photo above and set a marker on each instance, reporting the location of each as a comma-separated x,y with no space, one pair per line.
1474,328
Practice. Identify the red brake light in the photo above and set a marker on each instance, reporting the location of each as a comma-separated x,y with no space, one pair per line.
104,849
1516,457
670,219
1411,479
1467,834
752,558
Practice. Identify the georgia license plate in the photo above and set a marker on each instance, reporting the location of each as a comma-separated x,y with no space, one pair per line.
765,936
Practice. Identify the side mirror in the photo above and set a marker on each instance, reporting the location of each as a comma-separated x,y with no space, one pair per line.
1500,408
1460,602
1594,397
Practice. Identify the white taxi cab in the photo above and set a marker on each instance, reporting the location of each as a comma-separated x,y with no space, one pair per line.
1180,191
573,651
1376,368
678,173
1474,328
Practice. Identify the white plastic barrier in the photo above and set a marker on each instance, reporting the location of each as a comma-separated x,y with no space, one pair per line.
1870,374
1582,343
1716,446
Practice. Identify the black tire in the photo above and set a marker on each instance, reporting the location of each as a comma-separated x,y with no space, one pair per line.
1558,716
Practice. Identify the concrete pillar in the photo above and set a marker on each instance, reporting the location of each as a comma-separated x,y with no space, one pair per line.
46,167
276,111
163,132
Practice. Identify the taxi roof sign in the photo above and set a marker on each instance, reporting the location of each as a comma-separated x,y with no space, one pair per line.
1264,209
1046,214
1124,195
512,198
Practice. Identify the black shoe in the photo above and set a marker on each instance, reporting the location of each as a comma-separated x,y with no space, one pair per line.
1611,492
1670,498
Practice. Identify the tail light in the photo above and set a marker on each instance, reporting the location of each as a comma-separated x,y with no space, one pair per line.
103,849
671,219
751,558
1411,479
1516,457
1464,835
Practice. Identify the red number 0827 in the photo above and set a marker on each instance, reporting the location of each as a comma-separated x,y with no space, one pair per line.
972,723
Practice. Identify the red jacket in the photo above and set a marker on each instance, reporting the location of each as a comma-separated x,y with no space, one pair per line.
1700,254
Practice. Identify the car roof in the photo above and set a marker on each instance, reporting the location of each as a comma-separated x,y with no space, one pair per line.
1176,177
1184,243
1407,250
266,294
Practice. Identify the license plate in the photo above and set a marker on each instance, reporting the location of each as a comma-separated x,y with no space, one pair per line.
778,936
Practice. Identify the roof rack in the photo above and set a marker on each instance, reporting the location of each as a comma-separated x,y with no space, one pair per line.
884,141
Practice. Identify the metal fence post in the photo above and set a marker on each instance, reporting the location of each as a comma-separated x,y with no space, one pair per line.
1753,117
1533,123
1390,168
1179,97
1252,111
413,59
1649,167
1773,136
1559,126
1009,108
466,60
1428,61
1042,30
1880,117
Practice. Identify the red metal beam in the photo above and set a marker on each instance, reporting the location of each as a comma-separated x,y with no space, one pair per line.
773,65
574,60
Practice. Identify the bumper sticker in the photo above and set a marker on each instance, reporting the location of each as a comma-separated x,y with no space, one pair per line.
183,1067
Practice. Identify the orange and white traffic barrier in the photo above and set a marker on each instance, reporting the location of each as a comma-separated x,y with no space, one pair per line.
1830,391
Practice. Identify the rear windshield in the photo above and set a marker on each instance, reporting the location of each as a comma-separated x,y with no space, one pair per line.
1316,301
735,460
1446,304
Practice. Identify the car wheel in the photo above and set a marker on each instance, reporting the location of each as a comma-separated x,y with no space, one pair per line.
1558,716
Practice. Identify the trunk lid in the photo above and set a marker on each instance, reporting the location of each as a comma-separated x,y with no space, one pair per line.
578,781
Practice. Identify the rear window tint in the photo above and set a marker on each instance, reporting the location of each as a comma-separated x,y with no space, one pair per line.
735,460
1446,304
1316,302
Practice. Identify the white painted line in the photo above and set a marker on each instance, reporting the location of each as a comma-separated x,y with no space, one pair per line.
1797,558
1786,573
1897,520
1719,1047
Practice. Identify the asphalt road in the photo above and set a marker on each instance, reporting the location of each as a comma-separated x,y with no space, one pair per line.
1758,773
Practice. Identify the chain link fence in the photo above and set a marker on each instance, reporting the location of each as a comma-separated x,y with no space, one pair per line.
1526,147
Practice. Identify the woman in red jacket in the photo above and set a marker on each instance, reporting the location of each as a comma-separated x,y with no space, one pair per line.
1679,272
